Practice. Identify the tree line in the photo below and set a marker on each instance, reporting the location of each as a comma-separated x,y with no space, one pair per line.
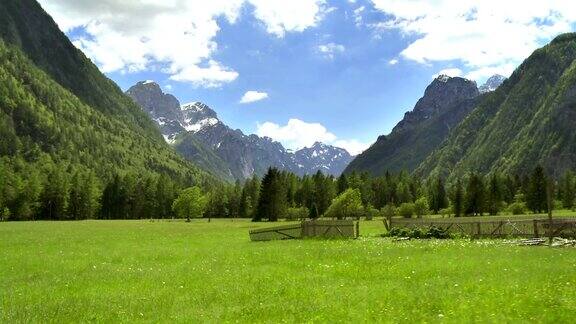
281,194
54,192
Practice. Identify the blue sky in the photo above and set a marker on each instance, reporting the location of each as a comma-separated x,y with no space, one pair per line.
342,72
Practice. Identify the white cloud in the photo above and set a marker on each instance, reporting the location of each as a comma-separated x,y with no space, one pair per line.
281,16
253,96
297,134
452,72
330,50
173,36
353,147
488,35
393,62
358,19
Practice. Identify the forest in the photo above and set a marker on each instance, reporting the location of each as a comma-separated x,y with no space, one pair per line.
51,192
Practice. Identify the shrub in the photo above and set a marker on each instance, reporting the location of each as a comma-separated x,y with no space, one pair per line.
4,214
421,207
300,213
370,212
446,212
517,208
406,210
347,204
420,233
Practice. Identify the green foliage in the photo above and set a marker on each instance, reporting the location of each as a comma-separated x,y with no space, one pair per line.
190,203
421,207
432,232
272,203
517,208
438,198
297,213
536,198
389,211
370,212
475,195
406,210
346,205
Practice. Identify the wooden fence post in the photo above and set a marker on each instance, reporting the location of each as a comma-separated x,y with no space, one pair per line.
536,228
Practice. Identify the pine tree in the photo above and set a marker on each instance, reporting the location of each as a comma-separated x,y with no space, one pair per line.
458,199
536,199
494,195
272,202
342,183
475,195
568,189
437,196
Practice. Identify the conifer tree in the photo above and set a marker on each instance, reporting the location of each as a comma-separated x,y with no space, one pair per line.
458,199
536,199
475,195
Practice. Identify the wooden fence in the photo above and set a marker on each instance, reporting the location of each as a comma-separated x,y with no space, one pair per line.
313,228
486,227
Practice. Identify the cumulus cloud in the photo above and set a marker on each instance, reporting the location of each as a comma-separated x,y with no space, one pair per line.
297,134
330,50
393,62
452,72
280,16
253,96
488,35
173,36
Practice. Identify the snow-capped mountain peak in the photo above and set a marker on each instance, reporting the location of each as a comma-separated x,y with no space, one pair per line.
242,155
492,83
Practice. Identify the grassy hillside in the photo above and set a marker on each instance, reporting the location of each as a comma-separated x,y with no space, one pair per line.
529,120
126,271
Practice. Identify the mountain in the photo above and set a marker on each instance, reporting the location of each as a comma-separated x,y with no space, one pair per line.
446,102
196,132
322,157
492,83
527,121
58,110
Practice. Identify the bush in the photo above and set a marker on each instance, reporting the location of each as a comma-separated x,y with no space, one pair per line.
370,212
406,210
420,233
300,213
558,204
4,214
517,208
446,212
421,207
348,204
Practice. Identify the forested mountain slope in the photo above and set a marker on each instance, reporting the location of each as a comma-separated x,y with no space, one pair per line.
529,120
70,140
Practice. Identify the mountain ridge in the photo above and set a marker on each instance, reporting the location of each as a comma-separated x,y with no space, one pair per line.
194,129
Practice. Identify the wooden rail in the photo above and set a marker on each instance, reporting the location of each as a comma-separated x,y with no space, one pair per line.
312,228
500,227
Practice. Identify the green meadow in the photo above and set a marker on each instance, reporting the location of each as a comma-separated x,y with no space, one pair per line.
125,271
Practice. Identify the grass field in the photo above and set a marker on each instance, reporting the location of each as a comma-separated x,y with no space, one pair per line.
111,271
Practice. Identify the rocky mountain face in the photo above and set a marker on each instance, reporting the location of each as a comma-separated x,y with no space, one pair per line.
197,133
445,103
527,121
492,83
322,157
